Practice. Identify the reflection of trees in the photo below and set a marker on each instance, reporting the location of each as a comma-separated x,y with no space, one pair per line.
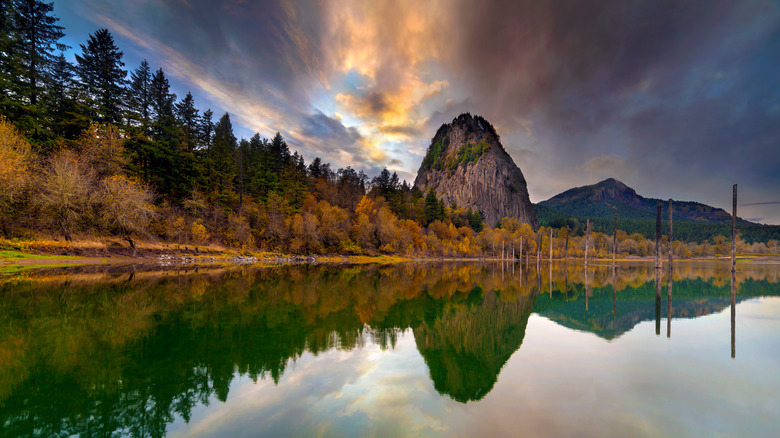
121,353
468,345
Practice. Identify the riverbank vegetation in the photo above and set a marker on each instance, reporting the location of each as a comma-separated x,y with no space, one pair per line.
90,151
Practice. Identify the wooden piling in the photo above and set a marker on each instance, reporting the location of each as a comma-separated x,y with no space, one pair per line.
671,239
669,306
614,243
551,247
566,247
733,311
587,241
734,232
539,248
659,206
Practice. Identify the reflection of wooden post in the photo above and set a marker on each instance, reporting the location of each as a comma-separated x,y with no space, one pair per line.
587,289
587,241
614,243
614,294
734,233
671,247
566,247
551,247
669,307
733,307
657,301
658,235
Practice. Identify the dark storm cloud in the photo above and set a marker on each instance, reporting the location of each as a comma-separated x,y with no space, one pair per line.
677,98
687,92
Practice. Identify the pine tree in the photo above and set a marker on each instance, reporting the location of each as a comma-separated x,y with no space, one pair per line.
221,157
161,98
187,115
206,128
139,100
102,78
35,38
61,101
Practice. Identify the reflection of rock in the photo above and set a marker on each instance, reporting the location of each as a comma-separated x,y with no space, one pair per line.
466,347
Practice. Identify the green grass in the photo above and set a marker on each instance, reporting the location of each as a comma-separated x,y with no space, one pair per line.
9,254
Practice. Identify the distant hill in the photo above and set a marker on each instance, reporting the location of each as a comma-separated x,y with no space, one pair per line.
636,214
604,199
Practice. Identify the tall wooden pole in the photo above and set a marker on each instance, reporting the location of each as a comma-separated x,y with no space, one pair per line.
659,206
657,301
566,247
551,248
614,243
733,312
669,306
734,233
587,241
671,247
539,248
521,249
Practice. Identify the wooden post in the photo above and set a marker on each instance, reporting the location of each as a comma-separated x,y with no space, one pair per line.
539,248
587,241
566,247
657,302
733,311
614,243
521,249
734,233
551,248
671,247
669,306
502,250
659,206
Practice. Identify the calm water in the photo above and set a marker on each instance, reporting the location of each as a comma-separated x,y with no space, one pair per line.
408,350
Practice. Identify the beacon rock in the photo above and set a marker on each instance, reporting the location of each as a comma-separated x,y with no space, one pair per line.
466,164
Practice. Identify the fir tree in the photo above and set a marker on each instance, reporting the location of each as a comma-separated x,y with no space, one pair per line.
221,156
102,78
139,99
187,115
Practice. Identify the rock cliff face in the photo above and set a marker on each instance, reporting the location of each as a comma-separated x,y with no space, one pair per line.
467,164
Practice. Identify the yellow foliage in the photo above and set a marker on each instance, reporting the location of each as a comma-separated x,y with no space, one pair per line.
15,159
198,232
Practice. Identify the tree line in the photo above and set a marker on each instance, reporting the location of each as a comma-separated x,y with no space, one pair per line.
90,149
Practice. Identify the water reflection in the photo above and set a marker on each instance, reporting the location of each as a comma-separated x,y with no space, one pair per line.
125,352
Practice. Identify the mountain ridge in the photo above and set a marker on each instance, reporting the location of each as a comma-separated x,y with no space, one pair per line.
607,197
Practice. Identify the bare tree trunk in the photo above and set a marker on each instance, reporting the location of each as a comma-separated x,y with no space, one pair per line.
614,243
587,241
658,235
551,248
566,247
734,233
671,247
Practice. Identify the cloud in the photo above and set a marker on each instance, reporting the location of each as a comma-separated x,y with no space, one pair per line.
676,95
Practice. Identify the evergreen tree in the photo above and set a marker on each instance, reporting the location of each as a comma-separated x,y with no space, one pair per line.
431,207
61,101
161,98
221,156
35,37
206,129
279,153
102,78
187,115
139,95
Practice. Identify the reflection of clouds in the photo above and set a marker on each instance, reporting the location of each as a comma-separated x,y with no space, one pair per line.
368,391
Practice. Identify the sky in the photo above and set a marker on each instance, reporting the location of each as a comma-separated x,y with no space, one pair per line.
677,99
